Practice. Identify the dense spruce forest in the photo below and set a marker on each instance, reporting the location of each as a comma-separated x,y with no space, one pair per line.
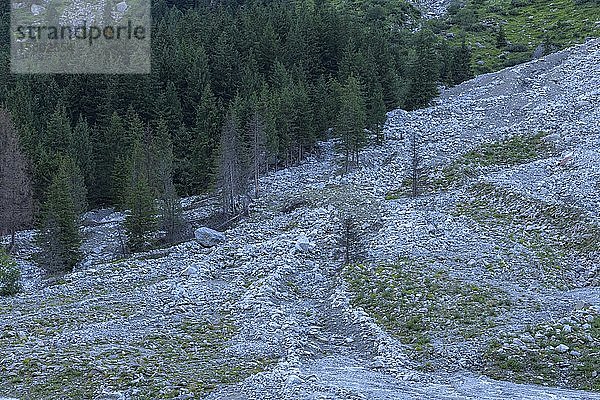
236,90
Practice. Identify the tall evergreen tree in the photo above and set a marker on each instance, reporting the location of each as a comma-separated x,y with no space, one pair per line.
106,141
83,150
169,206
424,70
351,120
140,221
59,236
123,165
206,139
460,70
258,142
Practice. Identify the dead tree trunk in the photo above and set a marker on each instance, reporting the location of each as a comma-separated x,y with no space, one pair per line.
16,198
415,165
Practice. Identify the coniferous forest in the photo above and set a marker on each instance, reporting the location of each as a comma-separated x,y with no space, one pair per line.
237,89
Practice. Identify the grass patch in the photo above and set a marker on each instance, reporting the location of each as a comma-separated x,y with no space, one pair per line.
519,149
538,360
186,359
555,234
526,23
413,303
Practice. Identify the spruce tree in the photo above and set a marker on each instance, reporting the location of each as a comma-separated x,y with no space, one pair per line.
59,236
106,140
140,220
82,150
423,70
257,138
170,214
10,275
206,139
460,70
122,167
58,136
501,41
351,119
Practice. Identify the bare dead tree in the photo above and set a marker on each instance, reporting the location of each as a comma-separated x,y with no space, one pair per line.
415,167
258,154
349,240
16,199
232,179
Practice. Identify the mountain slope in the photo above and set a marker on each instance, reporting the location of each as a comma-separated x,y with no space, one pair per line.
490,248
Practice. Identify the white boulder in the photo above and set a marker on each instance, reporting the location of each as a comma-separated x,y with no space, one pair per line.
209,237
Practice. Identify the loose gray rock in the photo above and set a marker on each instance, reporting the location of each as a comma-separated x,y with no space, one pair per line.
37,9
122,7
209,237
562,348
303,243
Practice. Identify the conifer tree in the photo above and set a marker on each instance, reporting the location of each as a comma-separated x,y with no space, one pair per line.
258,154
351,121
501,41
58,136
424,70
59,236
82,150
460,70
169,207
140,221
10,275
206,139
123,165
106,141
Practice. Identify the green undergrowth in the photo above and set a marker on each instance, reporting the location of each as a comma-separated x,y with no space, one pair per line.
564,227
526,24
540,360
116,331
516,150
417,304
186,359
554,233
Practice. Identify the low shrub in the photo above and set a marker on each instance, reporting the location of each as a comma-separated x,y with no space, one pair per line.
10,275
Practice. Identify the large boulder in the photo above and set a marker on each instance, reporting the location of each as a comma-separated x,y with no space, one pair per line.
209,237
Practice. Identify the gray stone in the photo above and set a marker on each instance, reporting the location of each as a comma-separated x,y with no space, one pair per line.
37,9
539,51
190,271
562,348
294,380
209,237
303,243
122,7
527,338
